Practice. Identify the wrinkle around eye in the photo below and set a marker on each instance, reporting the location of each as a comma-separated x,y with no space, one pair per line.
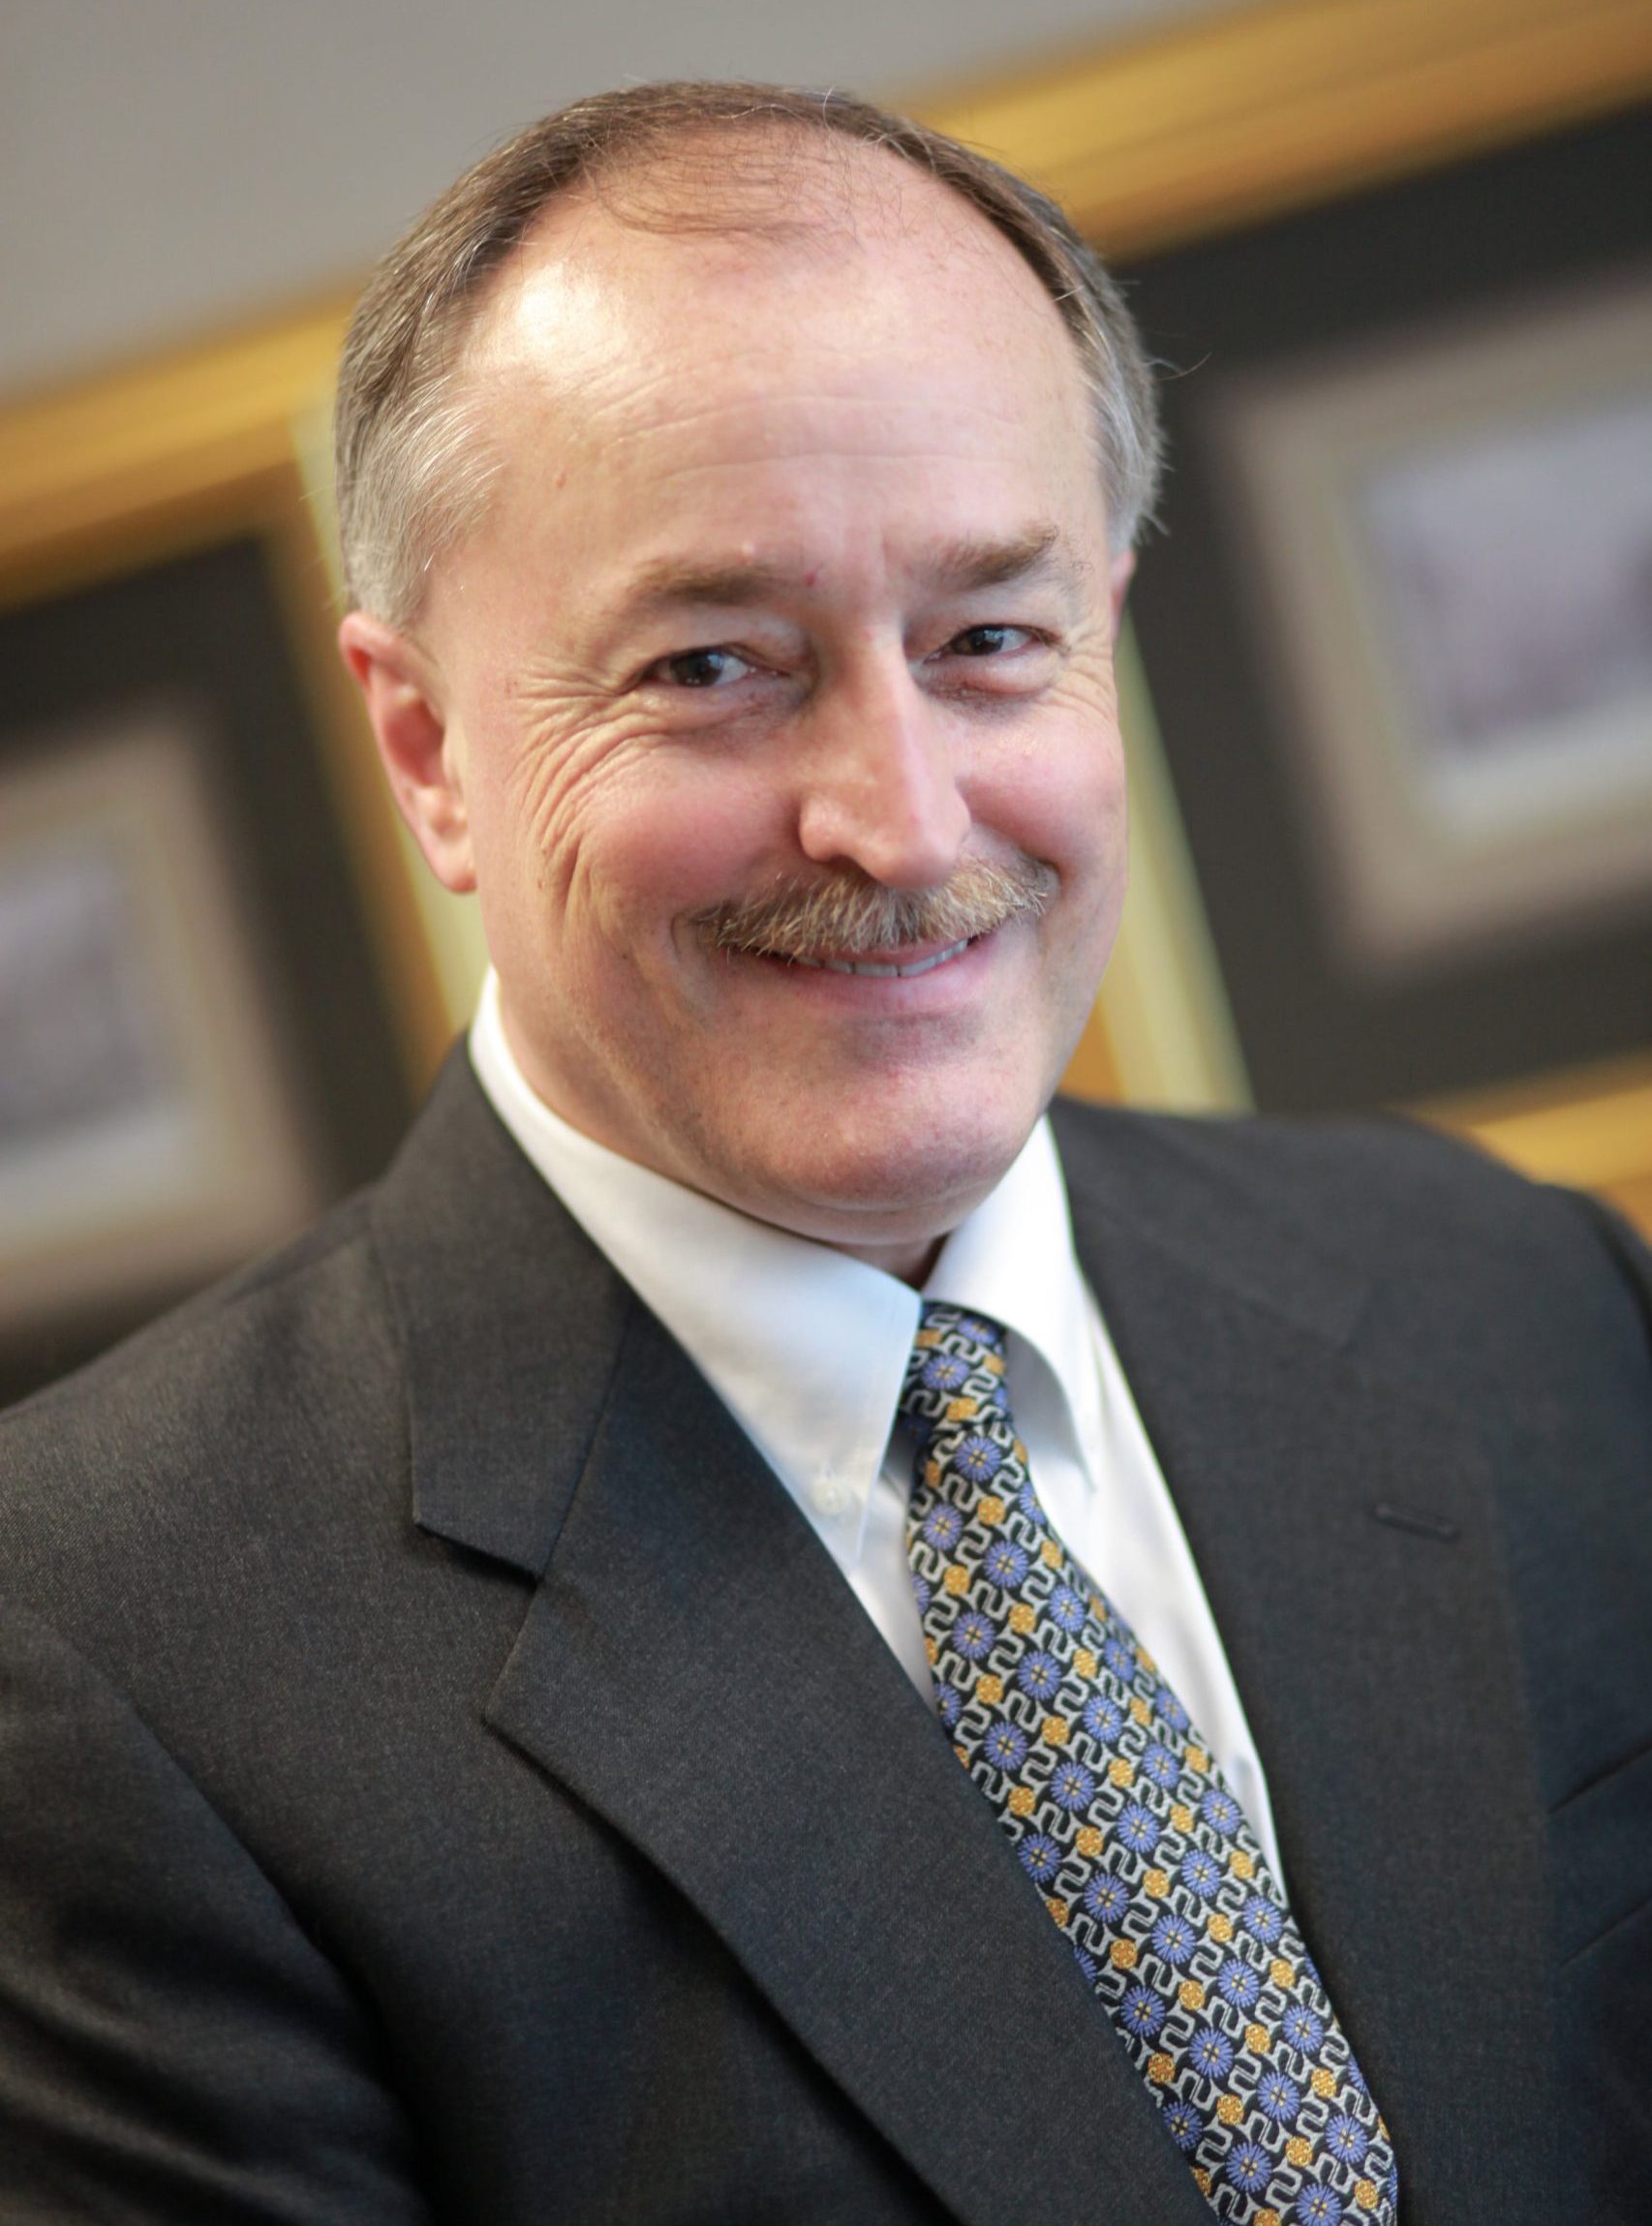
1026,665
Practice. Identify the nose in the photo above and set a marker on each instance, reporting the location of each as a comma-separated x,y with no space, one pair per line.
880,781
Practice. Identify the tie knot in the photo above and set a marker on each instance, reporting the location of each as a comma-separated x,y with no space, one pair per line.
957,1357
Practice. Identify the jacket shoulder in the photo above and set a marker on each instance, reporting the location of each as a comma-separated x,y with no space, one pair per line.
233,1414
1462,1259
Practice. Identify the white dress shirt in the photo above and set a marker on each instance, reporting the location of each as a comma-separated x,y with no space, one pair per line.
808,1350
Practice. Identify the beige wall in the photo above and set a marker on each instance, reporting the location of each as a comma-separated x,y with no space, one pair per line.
170,165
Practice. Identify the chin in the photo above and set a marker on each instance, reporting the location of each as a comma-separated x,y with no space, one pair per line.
871,1181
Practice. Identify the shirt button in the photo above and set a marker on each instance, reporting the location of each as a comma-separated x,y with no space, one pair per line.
829,1494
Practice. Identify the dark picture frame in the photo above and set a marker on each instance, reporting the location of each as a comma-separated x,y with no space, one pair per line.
197,856
1474,246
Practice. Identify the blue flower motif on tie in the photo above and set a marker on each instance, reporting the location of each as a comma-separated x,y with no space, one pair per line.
1249,2167
1103,1719
1108,1900
1175,1939
1006,1746
1120,1658
1041,1855
1220,1810
921,1592
949,1704
1238,1984
1005,1564
1262,1919
1039,1674
1200,1873
1071,1786
1160,1765
1065,1609
1346,2139
946,1372
1318,2206
1210,2052
973,1634
978,1459
1137,1829
943,1526
1171,1709
1278,2097
1184,2124
1141,2012
1302,2029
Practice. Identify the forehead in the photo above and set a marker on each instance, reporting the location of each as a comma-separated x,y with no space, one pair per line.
841,395
765,267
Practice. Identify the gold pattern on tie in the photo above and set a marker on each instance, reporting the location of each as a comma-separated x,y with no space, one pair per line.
1121,1819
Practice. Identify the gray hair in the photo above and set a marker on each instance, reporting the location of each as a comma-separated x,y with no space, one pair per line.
410,470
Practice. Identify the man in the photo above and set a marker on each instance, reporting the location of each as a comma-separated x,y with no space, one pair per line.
483,1712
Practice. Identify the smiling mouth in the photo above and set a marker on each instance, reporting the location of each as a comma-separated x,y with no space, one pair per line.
879,967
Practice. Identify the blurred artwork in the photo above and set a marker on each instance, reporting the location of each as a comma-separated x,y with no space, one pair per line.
85,1042
1519,566
1452,544
145,1138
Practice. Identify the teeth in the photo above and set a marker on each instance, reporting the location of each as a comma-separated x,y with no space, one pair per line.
853,967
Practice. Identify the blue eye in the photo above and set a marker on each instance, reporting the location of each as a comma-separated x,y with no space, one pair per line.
702,668
982,641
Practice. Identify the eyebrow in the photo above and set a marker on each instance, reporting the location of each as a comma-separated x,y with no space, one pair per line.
958,567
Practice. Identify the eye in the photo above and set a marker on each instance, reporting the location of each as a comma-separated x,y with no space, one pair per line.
707,668
993,658
986,641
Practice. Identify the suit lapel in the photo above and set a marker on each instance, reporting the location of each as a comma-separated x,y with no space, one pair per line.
1376,1665
695,1668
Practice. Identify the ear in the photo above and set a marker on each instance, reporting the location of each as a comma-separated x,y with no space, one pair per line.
1120,572
424,759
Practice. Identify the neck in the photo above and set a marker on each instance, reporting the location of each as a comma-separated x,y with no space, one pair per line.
907,1263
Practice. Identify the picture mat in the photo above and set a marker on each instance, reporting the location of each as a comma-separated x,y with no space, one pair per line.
1343,471
169,1149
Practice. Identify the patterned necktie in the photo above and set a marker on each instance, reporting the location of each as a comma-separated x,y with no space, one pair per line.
1120,1818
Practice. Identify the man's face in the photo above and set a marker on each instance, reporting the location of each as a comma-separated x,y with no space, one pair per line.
796,574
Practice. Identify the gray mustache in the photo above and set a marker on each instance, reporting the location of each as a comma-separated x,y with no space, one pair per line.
850,912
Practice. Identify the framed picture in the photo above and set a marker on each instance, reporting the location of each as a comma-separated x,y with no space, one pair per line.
1390,666
217,1000
1452,570
150,1135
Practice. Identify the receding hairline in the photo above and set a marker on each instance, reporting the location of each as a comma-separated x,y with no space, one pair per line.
743,208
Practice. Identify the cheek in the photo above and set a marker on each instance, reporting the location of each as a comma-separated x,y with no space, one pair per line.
611,837
1062,798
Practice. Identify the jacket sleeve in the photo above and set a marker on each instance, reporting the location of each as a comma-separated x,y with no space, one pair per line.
172,2047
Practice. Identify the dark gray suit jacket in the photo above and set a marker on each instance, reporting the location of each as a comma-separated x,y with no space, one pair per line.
442,1774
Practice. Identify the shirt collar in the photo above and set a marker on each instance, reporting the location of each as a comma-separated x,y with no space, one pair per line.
1013,1259
807,1347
